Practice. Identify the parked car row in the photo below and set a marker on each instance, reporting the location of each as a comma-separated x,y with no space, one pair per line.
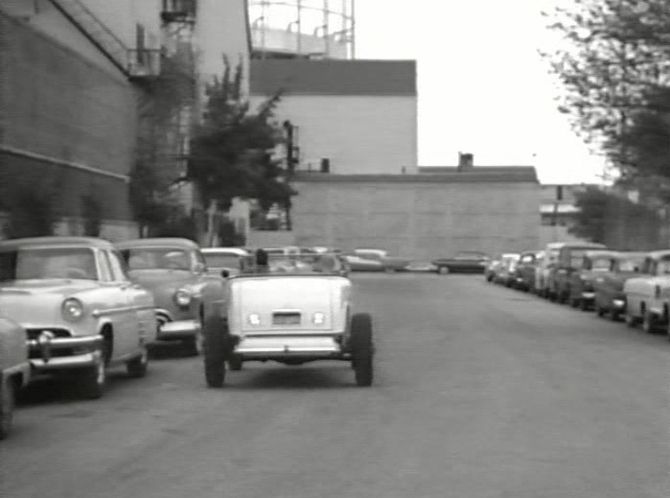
632,285
75,307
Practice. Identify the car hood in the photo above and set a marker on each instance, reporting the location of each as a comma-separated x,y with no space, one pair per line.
39,301
154,279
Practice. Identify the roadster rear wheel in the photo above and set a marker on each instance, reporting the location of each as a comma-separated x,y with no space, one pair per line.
6,407
215,331
362,349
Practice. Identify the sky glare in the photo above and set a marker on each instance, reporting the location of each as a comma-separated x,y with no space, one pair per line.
483,87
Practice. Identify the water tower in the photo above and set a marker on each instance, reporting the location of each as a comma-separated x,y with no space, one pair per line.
320,29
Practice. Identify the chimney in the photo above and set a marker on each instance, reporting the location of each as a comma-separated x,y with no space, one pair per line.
465,161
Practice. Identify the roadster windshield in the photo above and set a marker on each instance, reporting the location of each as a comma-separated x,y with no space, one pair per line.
153,258
44,263
295,263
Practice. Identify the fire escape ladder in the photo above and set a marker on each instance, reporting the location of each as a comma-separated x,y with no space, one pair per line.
110,45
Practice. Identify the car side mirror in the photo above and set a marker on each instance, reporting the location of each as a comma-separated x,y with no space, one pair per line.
199,268
225,273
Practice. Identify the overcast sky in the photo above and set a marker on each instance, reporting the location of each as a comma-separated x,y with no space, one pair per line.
482,86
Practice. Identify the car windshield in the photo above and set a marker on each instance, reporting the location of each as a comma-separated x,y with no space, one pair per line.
632,264
601,264
155,258
663,267
44,263
222,260
296,263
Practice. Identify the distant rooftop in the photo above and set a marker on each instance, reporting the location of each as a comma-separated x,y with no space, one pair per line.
484,173
473,175
333,77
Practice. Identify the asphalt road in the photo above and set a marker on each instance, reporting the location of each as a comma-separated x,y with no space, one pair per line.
480,391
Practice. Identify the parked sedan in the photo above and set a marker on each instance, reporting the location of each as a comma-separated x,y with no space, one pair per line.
505,272
581,282
569,260
389,263
462,262
524,278
648,295
608,286
175,271
80,311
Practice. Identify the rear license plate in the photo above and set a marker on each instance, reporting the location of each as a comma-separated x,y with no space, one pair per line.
286,318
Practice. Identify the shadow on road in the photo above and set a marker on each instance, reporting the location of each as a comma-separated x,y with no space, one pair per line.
292,378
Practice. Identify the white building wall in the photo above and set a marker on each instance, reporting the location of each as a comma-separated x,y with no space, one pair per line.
359,134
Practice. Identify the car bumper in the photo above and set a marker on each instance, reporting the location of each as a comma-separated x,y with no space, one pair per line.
288,346
178,329
588,295
47,353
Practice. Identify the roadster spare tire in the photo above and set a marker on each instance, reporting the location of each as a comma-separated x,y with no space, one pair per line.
362,349
215,332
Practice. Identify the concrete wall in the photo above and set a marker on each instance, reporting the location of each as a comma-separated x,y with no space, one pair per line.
65,120
418,220
359,134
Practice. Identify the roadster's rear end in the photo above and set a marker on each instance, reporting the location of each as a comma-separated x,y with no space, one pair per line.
292,316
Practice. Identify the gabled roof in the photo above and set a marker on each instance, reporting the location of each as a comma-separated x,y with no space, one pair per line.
332,77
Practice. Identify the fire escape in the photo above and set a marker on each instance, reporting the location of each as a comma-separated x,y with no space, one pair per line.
178,22
138,62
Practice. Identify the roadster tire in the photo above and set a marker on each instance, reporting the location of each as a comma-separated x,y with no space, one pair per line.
93,380
6,406
649,324
362,349
137,367
215,332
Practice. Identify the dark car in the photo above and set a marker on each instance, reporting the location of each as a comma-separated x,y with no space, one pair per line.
569,260
608,286
594,264
462,262
524,278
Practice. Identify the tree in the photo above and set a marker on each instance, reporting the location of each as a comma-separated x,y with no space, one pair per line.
229,150
613,69
615,220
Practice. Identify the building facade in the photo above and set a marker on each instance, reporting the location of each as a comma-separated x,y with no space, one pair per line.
347,116
421,216
80,94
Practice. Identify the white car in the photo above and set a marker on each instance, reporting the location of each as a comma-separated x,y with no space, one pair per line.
80,311
648,296
291,309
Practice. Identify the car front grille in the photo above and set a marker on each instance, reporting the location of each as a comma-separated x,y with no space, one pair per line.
286,318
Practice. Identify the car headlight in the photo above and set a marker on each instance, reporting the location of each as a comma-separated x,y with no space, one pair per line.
254,319
182,297
72,309
318,318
